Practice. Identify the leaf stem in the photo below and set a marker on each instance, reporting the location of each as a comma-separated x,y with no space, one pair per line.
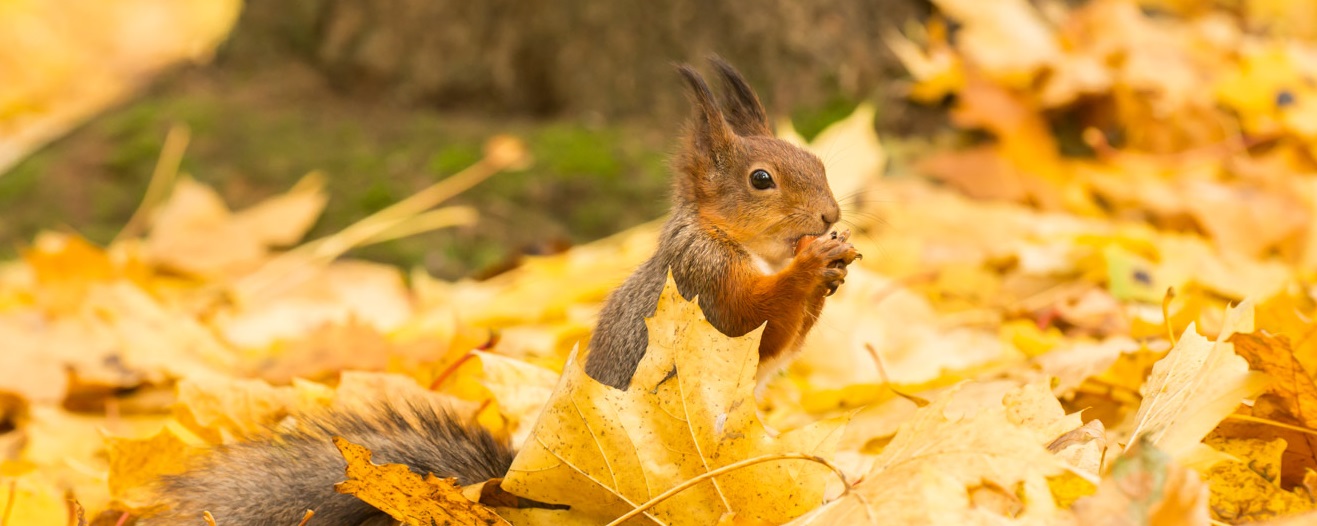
1282,425
725,469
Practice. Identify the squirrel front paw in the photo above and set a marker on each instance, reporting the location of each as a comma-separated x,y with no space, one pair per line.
824,259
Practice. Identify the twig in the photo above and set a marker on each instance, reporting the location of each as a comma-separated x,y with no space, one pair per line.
731,467
390,221
162,179
882,373
9,504
306,518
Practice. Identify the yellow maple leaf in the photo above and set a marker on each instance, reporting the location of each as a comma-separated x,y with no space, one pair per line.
29,499
406,496
135,463
1249,489
689,411
1195,386
219,409
926,474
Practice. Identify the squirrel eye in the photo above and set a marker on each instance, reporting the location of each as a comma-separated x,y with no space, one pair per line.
761,180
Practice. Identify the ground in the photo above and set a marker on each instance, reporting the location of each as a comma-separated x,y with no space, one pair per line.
256,129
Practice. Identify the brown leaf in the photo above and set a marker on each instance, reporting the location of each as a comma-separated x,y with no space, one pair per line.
406,496
1292,385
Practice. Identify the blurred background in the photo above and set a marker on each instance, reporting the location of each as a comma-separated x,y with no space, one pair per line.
386,97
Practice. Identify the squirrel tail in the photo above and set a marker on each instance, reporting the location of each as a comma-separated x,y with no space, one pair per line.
273,480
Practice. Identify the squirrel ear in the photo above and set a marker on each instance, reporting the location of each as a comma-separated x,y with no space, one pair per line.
709,129
744,111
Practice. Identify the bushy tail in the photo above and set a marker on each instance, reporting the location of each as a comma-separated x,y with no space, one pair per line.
274,480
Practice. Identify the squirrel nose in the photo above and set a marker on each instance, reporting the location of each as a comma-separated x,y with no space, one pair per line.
831,216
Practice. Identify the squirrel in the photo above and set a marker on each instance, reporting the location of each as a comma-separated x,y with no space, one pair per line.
746,237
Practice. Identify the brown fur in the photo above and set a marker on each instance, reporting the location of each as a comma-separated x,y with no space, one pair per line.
720,224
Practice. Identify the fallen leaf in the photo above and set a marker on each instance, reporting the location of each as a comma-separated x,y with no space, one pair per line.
406,496
520,388
924,475
1249,489
1006,38
342,292
64,61
285,218
1195,386
135,463
1292,385
689,410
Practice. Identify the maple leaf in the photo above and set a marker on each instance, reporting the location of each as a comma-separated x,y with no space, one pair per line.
406,496
689,410
939,457
1292,384
63,61
1249,489
134,463
1195,386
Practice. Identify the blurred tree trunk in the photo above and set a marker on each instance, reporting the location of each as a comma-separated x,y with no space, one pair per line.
588,58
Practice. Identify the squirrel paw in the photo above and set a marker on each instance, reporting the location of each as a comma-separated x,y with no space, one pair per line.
827,257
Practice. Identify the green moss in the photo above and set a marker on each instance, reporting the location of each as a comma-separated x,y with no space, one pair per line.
452,158
810,121
587,181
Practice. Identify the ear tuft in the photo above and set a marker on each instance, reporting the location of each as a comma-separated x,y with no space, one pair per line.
709,129
744,111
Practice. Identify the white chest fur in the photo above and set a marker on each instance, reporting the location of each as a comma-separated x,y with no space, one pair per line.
763,265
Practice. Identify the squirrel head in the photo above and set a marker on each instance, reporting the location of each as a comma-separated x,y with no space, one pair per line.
764,192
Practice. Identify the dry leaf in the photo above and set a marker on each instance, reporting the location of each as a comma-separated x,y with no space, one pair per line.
689,410
406,496
925,474
63,61
520,388
342,292
1195,386
135,463
1250,489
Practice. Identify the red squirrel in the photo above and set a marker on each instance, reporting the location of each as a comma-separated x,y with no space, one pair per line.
747,208
746,236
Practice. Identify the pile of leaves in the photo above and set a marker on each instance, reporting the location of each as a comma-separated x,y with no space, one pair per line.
1098,310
